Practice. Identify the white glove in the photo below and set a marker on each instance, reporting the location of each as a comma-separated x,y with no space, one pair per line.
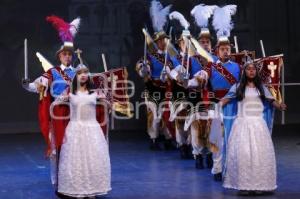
177,71
219,108
42,80
173,74
168,70
142,72
36,85
202,74
192,83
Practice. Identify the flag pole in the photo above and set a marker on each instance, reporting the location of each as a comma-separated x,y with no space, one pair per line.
283,93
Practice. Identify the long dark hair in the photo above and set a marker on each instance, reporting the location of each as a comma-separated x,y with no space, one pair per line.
74,86
240,93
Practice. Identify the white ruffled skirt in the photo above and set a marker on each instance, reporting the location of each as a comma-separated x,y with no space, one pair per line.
250,157
84,165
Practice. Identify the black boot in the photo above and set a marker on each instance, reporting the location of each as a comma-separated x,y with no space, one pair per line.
154,145
244,193
184,151
209,160
218,177
169,145
62,196
199,162
190,152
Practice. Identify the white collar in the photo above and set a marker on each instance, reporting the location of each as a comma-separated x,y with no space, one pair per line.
182,53
63,67
160,51
219,62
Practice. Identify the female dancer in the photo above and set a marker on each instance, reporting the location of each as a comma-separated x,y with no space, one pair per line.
84,164
250,157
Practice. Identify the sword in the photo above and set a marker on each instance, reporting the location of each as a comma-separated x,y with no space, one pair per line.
164,71
188,61
262,48
186,38
104,62
25,60
144,65
181,72
236,44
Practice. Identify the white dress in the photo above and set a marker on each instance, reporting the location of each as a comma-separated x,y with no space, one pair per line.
84,165
250,157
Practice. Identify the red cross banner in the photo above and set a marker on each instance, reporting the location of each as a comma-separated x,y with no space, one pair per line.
270,72
114,84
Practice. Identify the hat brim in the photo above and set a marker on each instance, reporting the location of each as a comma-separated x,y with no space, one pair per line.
223,43
65,48
207,36
179,39
161,37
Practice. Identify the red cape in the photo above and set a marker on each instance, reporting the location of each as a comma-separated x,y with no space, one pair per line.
58,125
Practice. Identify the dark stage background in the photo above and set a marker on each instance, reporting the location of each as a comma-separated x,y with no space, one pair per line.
114,28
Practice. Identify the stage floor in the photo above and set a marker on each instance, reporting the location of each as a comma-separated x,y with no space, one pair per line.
137,173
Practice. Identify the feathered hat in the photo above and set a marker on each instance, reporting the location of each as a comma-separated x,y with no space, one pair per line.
201,14
222,23
183,22
66,31
158,15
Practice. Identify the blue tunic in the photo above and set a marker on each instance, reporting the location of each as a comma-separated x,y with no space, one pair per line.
59,84
195,65
218,82
157,62
215,58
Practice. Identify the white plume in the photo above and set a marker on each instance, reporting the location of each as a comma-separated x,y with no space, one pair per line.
159,15
222,20
74,26
202,13
177,15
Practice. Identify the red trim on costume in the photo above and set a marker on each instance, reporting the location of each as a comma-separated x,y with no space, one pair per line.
45,120
161,59
44,111
219,94
166,113
225,73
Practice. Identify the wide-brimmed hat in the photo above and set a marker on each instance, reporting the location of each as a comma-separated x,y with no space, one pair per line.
67,46
204,33
223,40
160,35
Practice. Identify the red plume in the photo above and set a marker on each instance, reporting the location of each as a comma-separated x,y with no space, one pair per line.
62,27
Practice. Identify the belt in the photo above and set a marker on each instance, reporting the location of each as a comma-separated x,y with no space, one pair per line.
219,94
